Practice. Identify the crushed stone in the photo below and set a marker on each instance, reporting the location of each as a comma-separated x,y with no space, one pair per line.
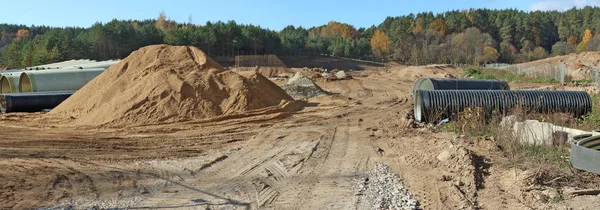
300,86
382,189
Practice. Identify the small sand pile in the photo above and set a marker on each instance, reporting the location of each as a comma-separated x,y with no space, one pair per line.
161,84
301,86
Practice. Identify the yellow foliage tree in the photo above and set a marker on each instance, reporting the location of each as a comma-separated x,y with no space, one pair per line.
587,35
418,25
439,25
489,55
418,29
380,44
163,23
537,35
467,14
135,25
337,29
571,40
22,33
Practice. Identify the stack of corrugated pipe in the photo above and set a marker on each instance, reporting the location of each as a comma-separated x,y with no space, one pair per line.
438,99
40,88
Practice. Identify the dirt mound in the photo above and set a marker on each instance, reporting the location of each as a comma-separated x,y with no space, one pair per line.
162,83
301,86
578,65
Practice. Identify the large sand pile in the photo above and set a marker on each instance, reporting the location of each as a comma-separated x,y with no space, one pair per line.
162,83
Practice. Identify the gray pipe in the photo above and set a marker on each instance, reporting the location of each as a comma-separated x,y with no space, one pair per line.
584,154
431,106
32,102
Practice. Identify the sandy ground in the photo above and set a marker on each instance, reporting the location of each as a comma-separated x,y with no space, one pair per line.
306,160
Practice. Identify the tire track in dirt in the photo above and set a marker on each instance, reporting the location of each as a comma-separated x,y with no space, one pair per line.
330,183
259,171
503,191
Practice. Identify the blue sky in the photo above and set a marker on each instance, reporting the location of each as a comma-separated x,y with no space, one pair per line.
271,14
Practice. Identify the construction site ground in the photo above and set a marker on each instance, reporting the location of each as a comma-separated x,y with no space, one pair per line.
311,159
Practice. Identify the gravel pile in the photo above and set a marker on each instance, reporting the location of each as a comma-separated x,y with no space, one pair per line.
300,86
382,189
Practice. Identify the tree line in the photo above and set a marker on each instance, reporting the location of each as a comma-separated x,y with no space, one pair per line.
475,36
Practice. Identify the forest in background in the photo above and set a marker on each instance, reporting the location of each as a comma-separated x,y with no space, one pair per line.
475,36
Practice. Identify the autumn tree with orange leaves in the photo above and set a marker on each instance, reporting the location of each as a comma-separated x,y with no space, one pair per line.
22,33
587,35
458,37
439,25
335,29
380,44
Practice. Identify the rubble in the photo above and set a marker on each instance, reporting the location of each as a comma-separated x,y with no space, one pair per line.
341,75
300,86
382,189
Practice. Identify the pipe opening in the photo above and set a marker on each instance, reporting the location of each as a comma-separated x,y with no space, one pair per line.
417,107
2,103
5,87
427,85
25,83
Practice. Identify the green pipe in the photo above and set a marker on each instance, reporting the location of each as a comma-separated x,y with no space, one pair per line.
101,64
56,80
9,83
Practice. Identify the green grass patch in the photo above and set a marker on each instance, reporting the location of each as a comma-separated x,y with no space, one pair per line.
547,154
451,127
545,80
506,75
556,199
581,81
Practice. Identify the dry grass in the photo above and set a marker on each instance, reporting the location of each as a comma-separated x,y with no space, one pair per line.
475,123
549,162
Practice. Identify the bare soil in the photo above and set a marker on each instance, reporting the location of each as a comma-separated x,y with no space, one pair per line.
309,159
577,65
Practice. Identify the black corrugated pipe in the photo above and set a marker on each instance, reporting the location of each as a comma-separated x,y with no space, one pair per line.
32,102
459,84
433,105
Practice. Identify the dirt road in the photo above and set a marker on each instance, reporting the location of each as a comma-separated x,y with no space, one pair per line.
312,159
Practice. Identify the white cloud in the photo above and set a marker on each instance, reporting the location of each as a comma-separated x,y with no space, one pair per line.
562,5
